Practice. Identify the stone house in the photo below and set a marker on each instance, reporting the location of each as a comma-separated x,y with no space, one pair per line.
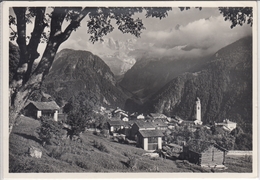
140,125
160,124
140,116
149,140
37,109
227,125
115,126
205,154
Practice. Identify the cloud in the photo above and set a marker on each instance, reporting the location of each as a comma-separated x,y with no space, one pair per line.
198,38
191,33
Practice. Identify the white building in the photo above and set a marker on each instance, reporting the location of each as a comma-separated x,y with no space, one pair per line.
141,116
227,125
198,112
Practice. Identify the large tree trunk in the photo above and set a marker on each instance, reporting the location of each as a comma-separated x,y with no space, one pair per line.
19,98
26,81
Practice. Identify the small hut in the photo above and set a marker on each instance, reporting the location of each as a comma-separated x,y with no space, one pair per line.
37,109
149,140
204,154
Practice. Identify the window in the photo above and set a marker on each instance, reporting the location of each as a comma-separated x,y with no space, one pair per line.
152,140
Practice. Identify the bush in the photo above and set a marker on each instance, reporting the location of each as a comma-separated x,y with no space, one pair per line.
131,162
100,146
96,133
82,164
247,158
57,153
50,131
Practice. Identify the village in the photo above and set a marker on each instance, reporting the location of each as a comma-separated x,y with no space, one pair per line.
149,132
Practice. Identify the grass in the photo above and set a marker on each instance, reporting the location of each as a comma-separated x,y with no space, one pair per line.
94,154
239,164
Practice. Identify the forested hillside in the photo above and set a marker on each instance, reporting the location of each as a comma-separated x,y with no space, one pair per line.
80,74
224,86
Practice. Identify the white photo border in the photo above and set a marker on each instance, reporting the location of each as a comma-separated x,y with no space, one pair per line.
5,85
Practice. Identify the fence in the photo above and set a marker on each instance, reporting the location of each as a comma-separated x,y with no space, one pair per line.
239,153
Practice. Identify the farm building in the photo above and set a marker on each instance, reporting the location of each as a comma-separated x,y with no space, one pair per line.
37,109
227,125
157,115
114,126
141,125
119,127
205,154
160,124
140,116
149,140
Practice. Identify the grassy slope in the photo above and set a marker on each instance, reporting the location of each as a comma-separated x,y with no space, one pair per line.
85,157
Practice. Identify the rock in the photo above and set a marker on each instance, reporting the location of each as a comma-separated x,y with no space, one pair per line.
152,155
34,152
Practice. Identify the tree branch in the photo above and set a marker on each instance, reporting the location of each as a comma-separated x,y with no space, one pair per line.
57,18
21,41
35,39
74,24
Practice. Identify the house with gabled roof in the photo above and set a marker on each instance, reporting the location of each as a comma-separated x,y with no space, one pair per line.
227,125
149,140
160,124
141,125
115,126
37,109
204,154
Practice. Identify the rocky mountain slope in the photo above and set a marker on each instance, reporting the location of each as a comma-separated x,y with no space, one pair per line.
148,74
224,85
117,56
75,72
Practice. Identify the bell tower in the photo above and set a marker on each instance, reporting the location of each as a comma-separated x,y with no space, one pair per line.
198,110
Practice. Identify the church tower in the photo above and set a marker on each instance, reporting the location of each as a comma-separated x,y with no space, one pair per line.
198,112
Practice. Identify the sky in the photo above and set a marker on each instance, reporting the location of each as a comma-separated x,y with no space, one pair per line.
183,33
188,33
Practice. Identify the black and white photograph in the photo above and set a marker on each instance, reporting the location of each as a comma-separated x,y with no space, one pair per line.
131,88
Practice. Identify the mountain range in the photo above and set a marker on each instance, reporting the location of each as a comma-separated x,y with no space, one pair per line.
222,81
148,75
117,56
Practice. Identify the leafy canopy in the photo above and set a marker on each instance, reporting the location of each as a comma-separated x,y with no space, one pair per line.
100,18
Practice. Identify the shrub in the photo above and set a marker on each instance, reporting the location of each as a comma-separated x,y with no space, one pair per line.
100,146
82,164
131,162
50,131
78,118
247,158
57,153
96,133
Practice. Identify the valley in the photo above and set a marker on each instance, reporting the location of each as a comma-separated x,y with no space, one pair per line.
158,93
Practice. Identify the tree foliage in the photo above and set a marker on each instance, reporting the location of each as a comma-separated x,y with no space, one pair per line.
236,139
79,114
14,57
237,15
50,131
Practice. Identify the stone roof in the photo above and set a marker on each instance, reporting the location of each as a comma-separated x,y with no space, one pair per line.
116,123
201,146
46,105
159,123
143,124
151,133
158,115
